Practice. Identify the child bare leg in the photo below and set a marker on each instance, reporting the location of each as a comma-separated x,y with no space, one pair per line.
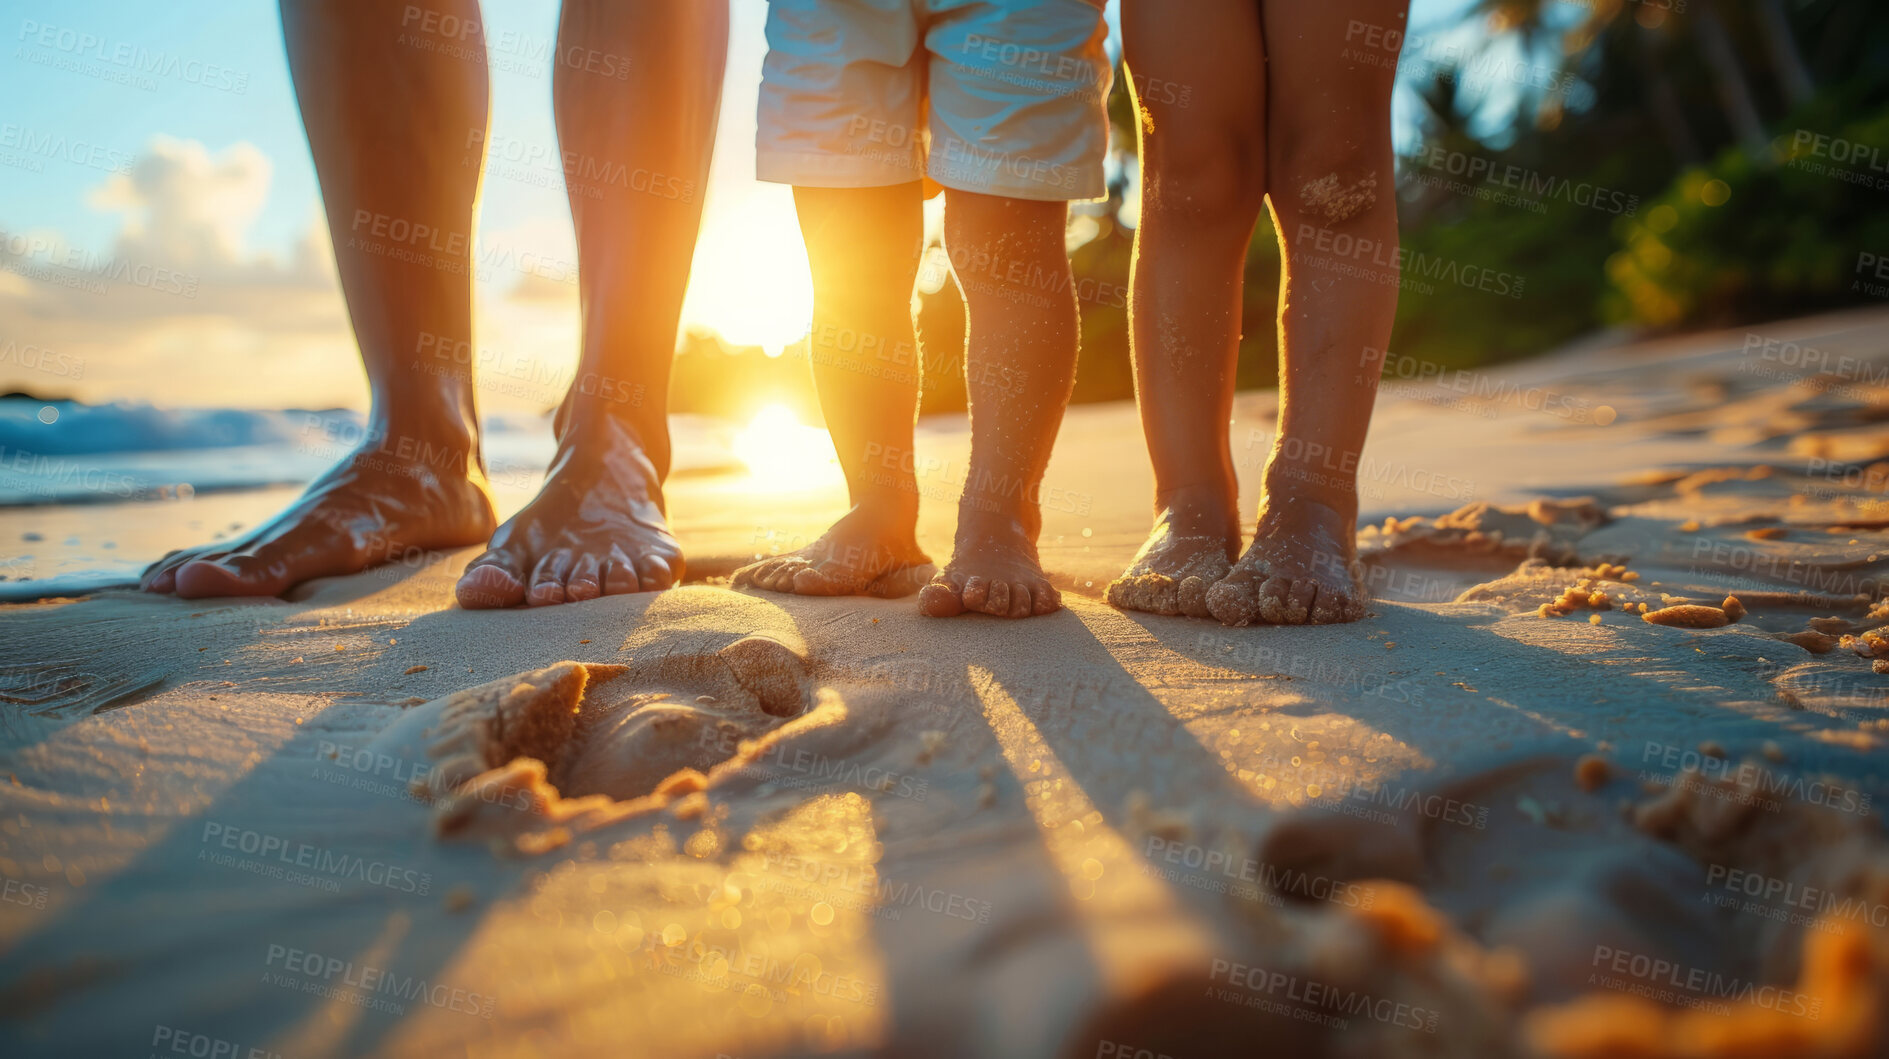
862,246
1203,184
1020,360
1329,164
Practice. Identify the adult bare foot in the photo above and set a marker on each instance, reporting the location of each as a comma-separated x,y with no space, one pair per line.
994,568
596,528
870,551
380,504
1301,569
1195,537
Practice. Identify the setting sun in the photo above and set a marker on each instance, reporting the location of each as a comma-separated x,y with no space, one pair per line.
783,454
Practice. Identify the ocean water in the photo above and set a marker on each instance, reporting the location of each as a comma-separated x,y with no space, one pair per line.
91,494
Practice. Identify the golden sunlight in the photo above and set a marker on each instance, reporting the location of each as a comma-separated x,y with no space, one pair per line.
782,454
750,281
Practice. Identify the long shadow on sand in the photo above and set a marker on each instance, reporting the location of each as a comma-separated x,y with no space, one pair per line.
290,883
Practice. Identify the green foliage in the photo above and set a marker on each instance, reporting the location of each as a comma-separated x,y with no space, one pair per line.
1753,237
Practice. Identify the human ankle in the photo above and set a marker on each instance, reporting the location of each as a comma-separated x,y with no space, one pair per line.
1000,515
590,426
1335,487
1205,504
888,510
442,440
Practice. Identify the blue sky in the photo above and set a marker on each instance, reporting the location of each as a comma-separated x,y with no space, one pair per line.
218,182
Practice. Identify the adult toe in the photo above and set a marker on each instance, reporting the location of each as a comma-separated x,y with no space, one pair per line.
1045,599
586,580
1301,598
1271,599
270,571
1192,597
1021,602
490,582
997,599
619,575
654,573
943,598
548,577
1231,602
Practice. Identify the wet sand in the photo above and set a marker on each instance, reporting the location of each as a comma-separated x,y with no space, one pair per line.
1505,814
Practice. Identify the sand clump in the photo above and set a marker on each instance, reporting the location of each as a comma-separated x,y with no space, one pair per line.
1697,616
1549,530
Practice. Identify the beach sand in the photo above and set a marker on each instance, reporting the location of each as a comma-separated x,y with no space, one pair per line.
760,825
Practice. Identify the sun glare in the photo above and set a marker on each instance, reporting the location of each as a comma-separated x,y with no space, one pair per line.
750,281
783,454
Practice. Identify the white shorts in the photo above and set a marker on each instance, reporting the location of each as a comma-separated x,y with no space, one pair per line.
1001,97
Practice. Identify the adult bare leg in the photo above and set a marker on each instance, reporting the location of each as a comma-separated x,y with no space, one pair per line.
635,150
387,124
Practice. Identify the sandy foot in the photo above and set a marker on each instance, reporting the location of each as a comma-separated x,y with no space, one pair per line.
864,553
372,508
993,570
1179,561
1301,569
596,528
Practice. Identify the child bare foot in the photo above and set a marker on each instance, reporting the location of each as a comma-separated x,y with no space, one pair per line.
1300,570
993,570
371,508
867,552
596,528
1192,546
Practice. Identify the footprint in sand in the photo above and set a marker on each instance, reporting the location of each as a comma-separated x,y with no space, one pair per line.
1583,918
530,757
